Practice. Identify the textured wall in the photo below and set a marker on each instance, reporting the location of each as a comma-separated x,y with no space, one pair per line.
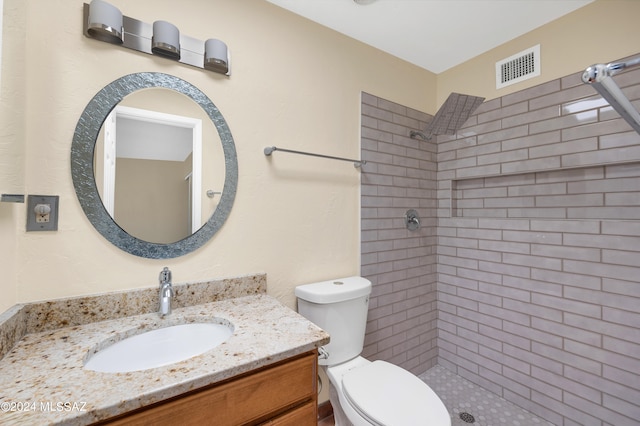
295,218
538,276
400,174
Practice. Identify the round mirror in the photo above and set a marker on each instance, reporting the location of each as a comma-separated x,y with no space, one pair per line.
154,165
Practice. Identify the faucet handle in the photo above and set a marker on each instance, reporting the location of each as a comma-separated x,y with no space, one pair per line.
165,276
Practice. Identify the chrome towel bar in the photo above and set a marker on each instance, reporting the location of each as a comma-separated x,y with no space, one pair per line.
356,163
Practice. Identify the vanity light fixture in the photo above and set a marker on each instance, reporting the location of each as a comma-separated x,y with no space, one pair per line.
216,56
166,40
105,22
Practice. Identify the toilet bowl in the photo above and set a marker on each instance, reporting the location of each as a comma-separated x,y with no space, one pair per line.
362,392
383,394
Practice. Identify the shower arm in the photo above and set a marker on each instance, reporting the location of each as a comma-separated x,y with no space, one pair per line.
600,77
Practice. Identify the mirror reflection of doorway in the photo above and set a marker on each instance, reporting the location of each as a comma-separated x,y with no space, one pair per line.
147,158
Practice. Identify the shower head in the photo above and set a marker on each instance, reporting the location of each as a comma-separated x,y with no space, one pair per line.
455,111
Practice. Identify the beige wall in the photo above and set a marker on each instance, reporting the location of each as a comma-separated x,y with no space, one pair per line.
294,84
601,32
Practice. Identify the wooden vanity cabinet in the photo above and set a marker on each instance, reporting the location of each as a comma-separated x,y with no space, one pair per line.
284,394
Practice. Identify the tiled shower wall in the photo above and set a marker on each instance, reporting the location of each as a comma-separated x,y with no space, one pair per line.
400,174
539,253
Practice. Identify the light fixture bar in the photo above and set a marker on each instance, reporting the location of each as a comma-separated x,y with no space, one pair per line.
138,36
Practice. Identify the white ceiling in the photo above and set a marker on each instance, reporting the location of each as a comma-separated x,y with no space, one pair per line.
433,34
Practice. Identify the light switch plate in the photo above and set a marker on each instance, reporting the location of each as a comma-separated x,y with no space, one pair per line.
32,223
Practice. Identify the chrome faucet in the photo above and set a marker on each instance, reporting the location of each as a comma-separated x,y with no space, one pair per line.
166,292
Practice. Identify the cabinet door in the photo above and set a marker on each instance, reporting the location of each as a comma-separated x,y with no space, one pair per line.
305,415
249,400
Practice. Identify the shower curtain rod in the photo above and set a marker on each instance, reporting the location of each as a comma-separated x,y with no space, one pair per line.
600,77
356,163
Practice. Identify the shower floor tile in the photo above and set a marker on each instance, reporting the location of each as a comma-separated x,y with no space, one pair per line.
461,396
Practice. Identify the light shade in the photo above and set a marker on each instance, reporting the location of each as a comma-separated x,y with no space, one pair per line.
105,22
216,57
166,40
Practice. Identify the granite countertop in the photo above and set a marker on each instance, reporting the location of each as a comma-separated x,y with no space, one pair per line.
42,379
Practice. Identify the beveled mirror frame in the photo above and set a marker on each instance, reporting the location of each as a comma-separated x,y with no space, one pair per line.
82,170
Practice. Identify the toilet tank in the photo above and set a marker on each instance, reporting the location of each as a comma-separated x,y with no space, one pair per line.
340,308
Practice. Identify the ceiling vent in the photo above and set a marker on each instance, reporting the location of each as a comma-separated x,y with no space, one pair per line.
519,67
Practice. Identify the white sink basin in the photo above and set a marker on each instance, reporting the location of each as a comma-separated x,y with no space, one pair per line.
160,347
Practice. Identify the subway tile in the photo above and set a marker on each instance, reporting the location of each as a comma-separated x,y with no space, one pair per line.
479,254
621,228
573,279
629,318
532,261
492,169
505,291
504,314
506,269
531,93
535,115
543,287
575,226
547,138
580,200
511,224
561,96
567,122
502,134
583,104
570,147
538,311
601,156
620,257
602,270
482,212
476,150
498,113
622,347
476,275
482,318
504,246
623,199
577,174
590,127
537,189
604,185
531,165
619,139
600,299
621,383
549,292
567,358
532,334
603,327
612,213
564,252
565,304
622,408
503,157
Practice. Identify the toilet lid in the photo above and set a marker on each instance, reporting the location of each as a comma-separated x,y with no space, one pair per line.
387,395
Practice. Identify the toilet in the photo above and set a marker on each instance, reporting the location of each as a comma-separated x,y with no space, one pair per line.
362,392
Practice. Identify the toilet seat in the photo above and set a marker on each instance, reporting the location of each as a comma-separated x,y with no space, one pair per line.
387,395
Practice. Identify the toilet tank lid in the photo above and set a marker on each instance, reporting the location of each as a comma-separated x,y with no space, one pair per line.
332,291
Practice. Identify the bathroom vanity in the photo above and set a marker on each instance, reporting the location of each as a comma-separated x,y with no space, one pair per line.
265,373
283,394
